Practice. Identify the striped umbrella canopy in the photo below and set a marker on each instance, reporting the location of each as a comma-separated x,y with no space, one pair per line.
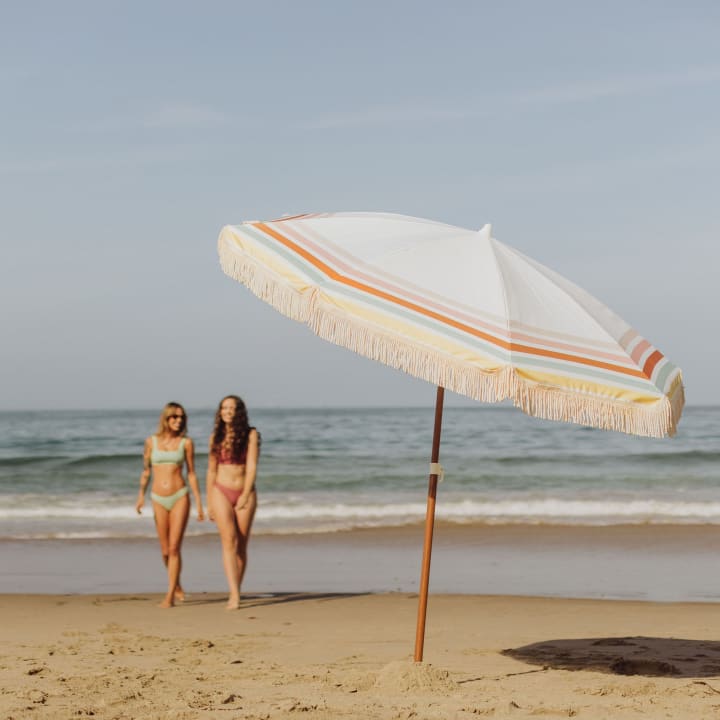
462,310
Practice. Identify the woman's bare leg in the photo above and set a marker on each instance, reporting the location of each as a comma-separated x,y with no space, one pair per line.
163,534
176,523
225,520
244,518
162,525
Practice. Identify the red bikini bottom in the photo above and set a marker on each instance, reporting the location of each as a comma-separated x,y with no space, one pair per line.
229,493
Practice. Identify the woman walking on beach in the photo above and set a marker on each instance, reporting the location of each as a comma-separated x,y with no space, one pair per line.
164,455
231,496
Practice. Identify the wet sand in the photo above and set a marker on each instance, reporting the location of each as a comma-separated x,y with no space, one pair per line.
646,562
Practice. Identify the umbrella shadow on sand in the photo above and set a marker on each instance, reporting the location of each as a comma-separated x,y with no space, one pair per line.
648,656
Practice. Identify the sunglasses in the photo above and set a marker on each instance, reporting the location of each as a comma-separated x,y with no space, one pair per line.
175,417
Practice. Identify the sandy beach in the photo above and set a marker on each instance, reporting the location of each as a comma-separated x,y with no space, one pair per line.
327,627
335,655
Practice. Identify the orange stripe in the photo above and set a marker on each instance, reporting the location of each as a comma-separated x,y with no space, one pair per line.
313,242
651,362
510,346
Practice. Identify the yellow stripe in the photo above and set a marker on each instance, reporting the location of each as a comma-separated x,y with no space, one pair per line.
422,336
586,387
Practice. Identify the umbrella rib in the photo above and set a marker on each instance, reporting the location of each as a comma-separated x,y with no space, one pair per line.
343,261
508,329
650,362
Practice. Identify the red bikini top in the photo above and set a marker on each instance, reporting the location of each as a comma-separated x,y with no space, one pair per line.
225,454
225,457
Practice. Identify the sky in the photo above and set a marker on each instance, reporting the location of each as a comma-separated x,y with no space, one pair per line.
588,134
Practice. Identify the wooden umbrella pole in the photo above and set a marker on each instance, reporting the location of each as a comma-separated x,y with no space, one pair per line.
429,525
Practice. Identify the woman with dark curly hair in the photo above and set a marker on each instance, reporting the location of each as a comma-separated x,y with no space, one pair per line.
164,456
231,496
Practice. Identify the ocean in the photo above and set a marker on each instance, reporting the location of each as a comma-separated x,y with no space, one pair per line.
73,475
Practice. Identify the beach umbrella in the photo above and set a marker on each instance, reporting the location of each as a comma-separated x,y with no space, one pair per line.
463,311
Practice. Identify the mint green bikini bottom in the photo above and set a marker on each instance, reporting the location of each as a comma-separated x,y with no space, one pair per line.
167,501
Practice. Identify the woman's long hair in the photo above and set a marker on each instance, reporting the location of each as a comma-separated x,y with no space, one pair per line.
172,408
236,439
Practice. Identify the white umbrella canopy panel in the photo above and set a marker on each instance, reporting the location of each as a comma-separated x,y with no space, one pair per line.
461,310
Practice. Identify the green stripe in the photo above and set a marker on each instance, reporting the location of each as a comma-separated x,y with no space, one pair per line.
298,262
664,374
604,376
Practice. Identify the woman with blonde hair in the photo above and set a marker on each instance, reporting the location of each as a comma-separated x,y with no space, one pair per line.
231,496
164,456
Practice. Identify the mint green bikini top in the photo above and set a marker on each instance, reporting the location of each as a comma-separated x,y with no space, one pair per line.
167,457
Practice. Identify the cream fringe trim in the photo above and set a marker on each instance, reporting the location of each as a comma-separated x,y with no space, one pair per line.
656,419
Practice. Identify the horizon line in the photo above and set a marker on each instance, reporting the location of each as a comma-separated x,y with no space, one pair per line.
502,405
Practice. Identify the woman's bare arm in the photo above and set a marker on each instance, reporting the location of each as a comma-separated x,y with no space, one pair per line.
210,481
144,476
192,477
251,461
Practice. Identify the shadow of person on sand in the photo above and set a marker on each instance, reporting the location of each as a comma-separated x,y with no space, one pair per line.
649,656
276,598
